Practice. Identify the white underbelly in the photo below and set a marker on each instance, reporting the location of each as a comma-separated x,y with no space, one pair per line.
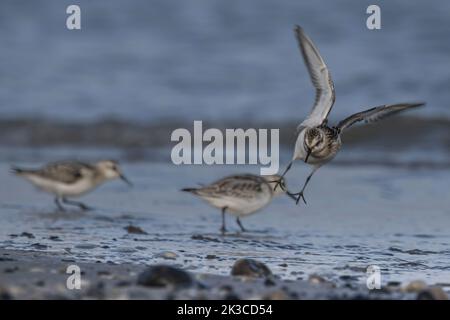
239,207
62,189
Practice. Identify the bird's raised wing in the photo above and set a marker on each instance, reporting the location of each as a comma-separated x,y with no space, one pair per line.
321,79
377,113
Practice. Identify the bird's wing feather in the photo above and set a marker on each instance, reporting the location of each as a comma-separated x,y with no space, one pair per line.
321,79
65,172
237,185
376,113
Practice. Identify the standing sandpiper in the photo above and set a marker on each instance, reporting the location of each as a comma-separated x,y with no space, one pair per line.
240,195
71,179
318,143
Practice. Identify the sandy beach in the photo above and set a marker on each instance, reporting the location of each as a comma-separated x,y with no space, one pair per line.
39,275
155,223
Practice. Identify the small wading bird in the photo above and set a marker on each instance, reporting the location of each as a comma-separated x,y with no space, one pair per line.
71,179
317,143
240,195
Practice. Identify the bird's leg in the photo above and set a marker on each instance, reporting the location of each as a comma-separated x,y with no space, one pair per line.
59,205
282,176
223,229
82,206
300,194
240,224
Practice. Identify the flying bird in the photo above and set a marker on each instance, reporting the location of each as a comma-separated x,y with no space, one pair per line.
317,143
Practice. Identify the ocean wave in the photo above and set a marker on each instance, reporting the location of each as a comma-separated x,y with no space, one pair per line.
401,133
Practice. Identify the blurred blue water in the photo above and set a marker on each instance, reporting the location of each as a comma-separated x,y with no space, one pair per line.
210,59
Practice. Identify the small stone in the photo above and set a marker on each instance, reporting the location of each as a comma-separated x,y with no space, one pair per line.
103,273
269,282
163,276
348,278
250,268
211,256
432,293
415,286
4,294
169,255
97,290
231,296
204,238
40,283
316,279
227,292
284,265
394,283
134,230
27,235
123,283
11,269
39,246
6,259
276,295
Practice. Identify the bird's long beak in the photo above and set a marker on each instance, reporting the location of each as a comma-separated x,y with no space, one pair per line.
123,178
307,155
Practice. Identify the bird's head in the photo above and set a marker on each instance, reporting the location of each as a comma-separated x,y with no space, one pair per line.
313,139
110,169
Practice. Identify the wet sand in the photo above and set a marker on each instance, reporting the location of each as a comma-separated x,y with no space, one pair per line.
394,218
38,275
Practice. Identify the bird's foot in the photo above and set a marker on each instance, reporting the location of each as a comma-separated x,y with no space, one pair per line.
223,230
299,196
278,184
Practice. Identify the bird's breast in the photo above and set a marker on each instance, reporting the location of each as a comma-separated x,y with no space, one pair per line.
324,152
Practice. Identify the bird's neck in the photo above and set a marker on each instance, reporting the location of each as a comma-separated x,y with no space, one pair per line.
99,178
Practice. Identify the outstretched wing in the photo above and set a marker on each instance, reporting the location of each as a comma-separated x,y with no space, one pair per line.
321,79
377,113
